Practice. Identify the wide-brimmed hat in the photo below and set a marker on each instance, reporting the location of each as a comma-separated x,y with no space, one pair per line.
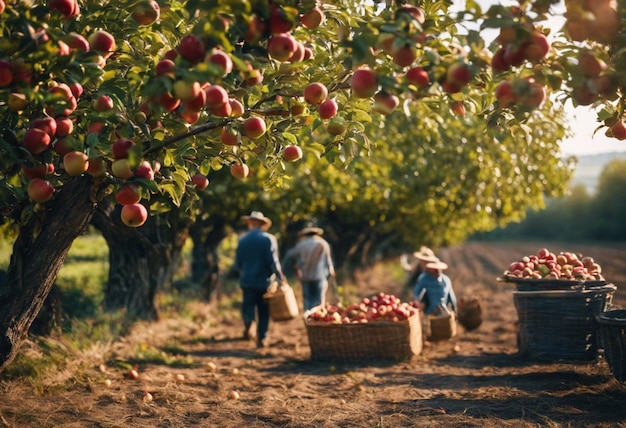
425,254
311,230
438,265
258,215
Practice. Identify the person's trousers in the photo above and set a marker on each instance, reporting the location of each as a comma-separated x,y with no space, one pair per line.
313,293
256,308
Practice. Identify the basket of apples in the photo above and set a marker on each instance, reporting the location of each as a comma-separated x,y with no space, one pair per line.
377,328
547,270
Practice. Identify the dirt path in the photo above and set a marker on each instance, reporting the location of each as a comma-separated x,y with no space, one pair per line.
477,379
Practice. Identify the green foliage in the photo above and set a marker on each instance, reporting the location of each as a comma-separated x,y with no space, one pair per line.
577,216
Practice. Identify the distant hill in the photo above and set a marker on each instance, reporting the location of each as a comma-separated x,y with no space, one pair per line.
590,166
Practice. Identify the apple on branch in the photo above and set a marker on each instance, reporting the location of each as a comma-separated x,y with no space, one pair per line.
200,181
134,215
292,153
75,162
40,190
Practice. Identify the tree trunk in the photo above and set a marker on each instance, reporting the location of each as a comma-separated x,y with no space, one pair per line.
206,235
142,261
38,254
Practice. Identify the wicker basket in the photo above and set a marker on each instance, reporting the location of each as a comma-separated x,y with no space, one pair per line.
283,304
612,338
560,324
372,341
534,284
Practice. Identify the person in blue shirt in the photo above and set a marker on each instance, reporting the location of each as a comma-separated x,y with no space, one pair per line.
434,289
257,261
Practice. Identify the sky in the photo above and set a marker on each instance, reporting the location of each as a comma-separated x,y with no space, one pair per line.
582,120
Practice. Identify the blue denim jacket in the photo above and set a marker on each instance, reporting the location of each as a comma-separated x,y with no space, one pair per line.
257,259
438,291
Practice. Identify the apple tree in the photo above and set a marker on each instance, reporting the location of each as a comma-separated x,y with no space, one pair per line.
101,100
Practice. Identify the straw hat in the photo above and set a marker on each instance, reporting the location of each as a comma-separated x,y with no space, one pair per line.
425,254
437,265
311,230
258,215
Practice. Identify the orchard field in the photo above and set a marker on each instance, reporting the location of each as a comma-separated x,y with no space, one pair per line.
190,364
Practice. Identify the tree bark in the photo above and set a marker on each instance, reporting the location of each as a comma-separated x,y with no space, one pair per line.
142,261
38,254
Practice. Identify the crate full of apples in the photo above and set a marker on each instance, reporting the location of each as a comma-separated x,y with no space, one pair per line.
379,327
549,267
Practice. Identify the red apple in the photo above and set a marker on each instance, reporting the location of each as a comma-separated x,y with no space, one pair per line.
222,61
459,74
458,108
364,83
190,116
514,54
200,181
47,124
313,18
64,125
292,153
40,190
223,110
417,76
6,74
327,109
165,67
75,163
97,167
385,102
281,46
144,170
65,7
76,88
133,374
589,65
35,171
254,127
169,102
279,21
63,146
198,103
498,63
134,215
315,93
237,109
121,168
618,130
128,194
535,97
239,170
298,54
36,140
186,91
192,49
146,12
120,148
77,41
216,96
537,48
229,137
404,56
102,41
103,103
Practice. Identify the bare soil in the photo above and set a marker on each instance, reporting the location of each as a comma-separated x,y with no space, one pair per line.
476,379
